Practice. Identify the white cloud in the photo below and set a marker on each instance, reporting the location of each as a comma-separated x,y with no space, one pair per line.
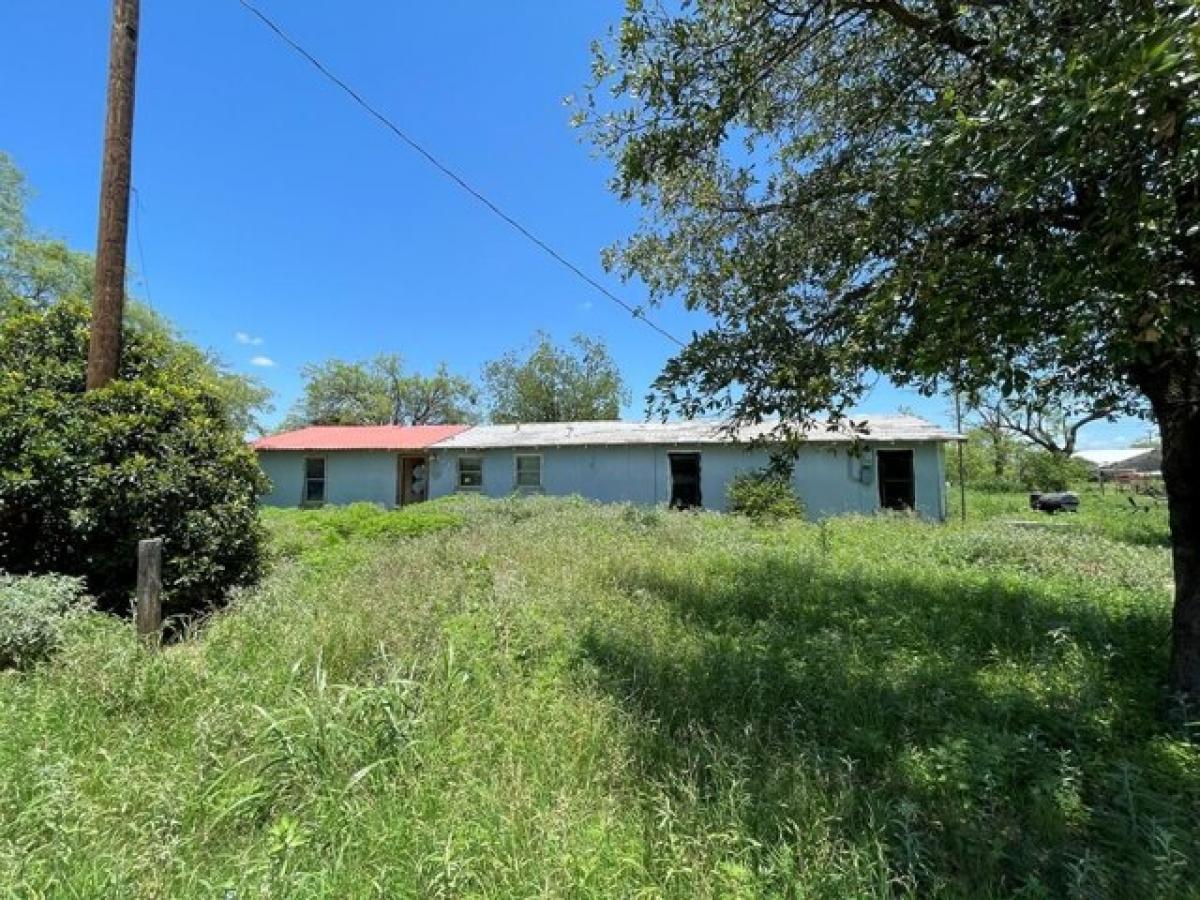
243,338
265,361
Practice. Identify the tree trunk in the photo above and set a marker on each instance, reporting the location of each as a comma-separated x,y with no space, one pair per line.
996,436
1175,398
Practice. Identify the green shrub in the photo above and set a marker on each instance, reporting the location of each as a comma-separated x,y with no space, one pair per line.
1041,470
990,462
764,495
642,517
34,614
84,476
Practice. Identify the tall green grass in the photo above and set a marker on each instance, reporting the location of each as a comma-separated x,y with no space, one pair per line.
1118,515
546,697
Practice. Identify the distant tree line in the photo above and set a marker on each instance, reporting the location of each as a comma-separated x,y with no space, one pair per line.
1026,443
998,461
541,383
381,392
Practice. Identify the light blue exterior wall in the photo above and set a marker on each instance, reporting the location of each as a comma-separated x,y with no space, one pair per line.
608,474
351,476
828,479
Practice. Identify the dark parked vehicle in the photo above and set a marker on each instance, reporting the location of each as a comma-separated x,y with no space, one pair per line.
1059,501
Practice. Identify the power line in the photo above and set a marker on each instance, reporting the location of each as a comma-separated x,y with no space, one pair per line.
137,233
634,311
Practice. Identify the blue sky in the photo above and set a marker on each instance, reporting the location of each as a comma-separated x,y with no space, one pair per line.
274,210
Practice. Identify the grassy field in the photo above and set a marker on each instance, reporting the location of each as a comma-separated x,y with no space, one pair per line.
549,698
1118,515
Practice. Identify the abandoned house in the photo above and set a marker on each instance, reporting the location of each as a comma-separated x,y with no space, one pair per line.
898,463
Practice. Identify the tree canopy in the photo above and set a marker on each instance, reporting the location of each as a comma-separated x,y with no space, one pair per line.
555,384
1001,463
33,267
381,392
967,195
977,194
1051,426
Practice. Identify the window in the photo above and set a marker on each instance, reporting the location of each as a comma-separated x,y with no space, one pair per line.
529,472
470,473
314,479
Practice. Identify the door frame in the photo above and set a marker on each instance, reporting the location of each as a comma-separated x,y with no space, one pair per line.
404,466
912,474
699,477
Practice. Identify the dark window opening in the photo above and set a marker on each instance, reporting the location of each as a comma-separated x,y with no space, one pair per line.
529,472
314,479
685,480
897,488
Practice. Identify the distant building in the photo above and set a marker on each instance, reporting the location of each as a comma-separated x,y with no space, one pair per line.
1146,461
1126,463
897,463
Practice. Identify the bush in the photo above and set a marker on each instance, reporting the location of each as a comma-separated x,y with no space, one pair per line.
1041,470
34,614
1022,466
764,495
84,476
990,463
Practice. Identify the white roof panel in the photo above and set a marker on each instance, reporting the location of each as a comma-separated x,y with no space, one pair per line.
593,434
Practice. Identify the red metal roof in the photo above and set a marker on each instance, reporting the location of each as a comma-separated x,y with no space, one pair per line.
359,437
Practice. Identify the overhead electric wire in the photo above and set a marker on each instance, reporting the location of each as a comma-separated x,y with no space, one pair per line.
137,232
454,176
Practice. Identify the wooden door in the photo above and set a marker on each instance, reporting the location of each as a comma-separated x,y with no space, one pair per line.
413,480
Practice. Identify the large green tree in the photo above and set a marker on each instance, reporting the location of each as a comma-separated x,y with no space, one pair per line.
555,384
160,451
958,194
381,392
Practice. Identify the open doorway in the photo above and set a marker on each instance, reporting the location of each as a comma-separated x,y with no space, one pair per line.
412,482
685,480
897,488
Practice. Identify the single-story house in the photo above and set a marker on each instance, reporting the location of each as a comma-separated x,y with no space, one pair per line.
1136,461
898,463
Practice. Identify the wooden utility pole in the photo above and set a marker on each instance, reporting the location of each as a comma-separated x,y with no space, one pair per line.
108,294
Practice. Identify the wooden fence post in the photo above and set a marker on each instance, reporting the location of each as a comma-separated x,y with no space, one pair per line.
148,611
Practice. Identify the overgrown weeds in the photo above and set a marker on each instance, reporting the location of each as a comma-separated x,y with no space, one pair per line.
36,612
554,698
296,532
